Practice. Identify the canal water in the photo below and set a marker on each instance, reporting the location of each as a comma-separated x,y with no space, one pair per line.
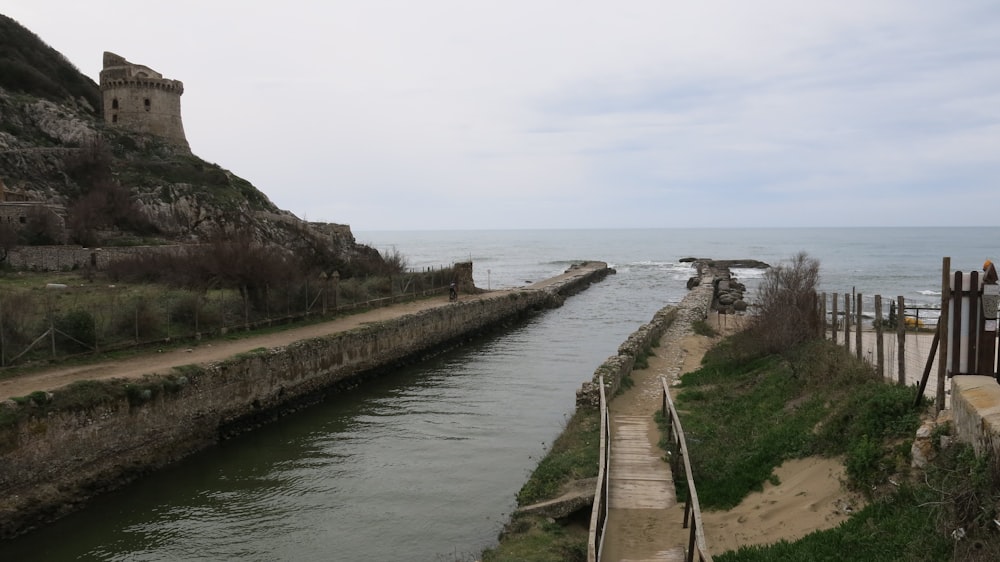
421,464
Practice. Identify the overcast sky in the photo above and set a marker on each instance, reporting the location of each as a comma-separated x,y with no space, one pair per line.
459,114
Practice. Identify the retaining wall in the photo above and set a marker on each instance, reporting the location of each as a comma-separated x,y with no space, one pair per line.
975,412
65,258
52,462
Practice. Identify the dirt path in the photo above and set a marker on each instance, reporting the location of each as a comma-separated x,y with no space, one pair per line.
210,351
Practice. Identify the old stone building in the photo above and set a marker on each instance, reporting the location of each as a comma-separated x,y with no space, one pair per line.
140,99
18,210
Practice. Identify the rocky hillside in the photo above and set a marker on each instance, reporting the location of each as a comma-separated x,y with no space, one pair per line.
56,150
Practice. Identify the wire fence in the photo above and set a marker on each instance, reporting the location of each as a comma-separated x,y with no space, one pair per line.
56,320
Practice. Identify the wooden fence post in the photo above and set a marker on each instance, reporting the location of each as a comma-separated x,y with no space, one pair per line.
847,324
879,341
822,317
943,329
857,312
834,320
901,340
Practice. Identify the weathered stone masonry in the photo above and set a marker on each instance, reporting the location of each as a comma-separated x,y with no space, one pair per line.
693,307
140,99
53,463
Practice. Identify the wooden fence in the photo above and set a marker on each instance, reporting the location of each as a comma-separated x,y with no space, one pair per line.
599,511
903,351
679,456
965,337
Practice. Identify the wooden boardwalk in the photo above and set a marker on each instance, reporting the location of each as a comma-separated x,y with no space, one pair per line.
644,517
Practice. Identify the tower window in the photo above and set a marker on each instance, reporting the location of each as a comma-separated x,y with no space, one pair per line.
114,103
146,103
114,118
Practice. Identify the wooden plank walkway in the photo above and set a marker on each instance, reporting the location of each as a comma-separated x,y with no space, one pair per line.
641,495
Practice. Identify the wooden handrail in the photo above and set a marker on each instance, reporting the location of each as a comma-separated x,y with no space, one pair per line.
692,509
599,511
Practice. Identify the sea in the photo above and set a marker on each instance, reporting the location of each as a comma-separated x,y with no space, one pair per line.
890,262
424,463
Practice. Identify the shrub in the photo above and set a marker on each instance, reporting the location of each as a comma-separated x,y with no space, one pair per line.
787,313
86,394
76,331
863,460
702,328
185,310
18,321
41,227
141,320
395,262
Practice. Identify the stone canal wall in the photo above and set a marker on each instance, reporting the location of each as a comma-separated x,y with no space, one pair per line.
693,307
64,447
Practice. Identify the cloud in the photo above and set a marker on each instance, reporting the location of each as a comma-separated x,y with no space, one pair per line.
451,114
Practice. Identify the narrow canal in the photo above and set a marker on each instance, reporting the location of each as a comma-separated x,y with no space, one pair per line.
422,464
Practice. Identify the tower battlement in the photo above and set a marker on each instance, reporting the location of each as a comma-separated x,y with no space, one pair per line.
140,99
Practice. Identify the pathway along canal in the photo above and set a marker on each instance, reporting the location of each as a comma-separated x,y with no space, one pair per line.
422,464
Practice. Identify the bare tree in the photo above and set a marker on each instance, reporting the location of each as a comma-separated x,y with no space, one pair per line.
41,227
787,313
395,262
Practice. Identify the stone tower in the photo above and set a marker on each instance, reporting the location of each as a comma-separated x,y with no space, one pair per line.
140,99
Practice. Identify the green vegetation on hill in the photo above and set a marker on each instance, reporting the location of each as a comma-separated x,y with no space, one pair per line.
29,66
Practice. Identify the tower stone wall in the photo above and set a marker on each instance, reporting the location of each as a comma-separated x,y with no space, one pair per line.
140,99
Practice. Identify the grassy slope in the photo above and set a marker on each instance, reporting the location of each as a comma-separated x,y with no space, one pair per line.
744,416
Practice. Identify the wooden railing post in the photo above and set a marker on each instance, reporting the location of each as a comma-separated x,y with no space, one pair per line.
691,539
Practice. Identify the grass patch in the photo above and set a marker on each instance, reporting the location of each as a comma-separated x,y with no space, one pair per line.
255,352
531,538
744,417
702,328
642,360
